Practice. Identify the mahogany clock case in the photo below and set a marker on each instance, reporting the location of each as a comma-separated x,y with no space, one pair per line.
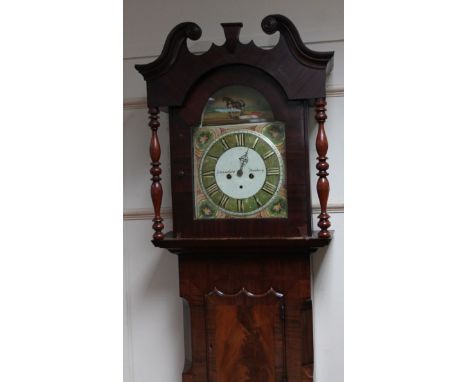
250,316
295,116
290,76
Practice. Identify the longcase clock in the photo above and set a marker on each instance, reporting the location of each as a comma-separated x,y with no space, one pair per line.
241,200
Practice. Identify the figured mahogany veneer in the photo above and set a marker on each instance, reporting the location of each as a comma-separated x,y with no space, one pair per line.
245,336
250,317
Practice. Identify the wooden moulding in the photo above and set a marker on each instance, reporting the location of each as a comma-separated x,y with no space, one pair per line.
257,245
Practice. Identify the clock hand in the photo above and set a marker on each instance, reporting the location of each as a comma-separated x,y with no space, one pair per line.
243,159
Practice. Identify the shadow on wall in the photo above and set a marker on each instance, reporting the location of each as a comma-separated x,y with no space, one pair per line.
317,260
163,287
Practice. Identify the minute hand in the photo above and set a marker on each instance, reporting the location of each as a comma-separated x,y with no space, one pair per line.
243,159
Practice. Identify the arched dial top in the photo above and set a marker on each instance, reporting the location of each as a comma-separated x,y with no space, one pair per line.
239,148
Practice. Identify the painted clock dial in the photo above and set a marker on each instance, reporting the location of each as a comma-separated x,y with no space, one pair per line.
241,172
239,169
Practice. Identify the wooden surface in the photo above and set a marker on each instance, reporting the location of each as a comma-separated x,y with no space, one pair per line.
240,331
239,245
245,334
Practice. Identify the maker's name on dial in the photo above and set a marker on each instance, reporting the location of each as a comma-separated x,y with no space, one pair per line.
225,171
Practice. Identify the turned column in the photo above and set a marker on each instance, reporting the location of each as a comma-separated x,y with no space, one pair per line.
156,188
323,187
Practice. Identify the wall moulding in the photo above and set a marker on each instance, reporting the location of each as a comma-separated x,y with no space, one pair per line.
166,213
140,103
201,46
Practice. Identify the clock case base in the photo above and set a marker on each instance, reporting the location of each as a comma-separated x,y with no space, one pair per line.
248,307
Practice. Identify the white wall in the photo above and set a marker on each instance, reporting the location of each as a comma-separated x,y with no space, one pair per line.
154,349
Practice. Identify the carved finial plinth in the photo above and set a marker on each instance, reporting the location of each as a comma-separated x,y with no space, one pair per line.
323,187
231,32
156,188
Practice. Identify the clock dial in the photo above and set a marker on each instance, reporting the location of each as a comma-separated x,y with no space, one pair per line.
241,172
238,158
